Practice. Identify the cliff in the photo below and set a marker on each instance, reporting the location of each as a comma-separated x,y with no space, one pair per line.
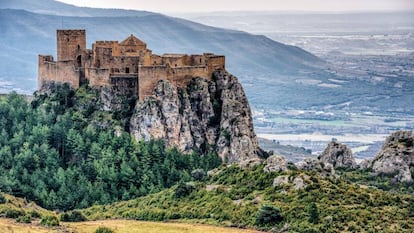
204,116
396,157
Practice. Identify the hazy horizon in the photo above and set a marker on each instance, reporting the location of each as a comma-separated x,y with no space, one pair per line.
188,6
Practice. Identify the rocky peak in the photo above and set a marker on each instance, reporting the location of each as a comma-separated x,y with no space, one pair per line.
396,157
204,116
339,155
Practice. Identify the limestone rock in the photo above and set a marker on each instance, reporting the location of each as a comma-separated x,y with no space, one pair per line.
280,180
275,163
311,164
339,155
396,157
204,116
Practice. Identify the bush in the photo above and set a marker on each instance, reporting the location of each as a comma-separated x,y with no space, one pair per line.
34,214
49,221
73,216
104,230
13,213
2,199
198,174
183,189
268,216
313,213
24,219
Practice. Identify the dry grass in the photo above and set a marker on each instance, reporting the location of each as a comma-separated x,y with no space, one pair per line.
119,226
130,226
10,226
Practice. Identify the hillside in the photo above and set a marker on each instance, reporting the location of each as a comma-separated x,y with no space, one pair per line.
235,197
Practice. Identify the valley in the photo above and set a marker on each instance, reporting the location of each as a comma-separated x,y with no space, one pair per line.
366,94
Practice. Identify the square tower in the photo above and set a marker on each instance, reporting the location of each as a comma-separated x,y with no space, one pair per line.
70,43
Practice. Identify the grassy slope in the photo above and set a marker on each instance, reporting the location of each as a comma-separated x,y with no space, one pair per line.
234,196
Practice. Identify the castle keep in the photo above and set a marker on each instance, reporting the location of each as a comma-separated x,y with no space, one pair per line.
128,64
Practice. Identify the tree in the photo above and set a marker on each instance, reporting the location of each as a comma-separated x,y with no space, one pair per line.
313,213
268,216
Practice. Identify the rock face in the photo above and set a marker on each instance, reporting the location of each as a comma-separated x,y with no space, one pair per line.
339,155
204,116
275,163
396,157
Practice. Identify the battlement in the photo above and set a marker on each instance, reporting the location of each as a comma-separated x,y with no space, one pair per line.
126,64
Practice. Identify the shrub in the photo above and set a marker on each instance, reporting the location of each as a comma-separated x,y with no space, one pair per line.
49,220
313,213
2,199
183,189
104,230
73,216
34,214
13,213
268,216
24,219
198,174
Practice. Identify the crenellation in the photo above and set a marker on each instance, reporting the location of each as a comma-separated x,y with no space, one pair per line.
128,64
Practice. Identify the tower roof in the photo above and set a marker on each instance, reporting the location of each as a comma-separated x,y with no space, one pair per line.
132,41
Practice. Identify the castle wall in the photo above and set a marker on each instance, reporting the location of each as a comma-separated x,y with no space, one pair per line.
98,77
70,42
126,84
124,65
175,60
61,72
215,62
149,76
182,75
114,45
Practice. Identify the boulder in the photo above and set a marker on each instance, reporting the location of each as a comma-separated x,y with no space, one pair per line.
275,163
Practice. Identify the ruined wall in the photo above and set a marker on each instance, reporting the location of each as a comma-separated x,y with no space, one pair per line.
70,42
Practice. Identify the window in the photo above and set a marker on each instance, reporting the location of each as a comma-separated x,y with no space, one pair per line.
79,61
127,70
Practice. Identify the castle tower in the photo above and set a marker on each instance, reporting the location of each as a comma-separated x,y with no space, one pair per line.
70,43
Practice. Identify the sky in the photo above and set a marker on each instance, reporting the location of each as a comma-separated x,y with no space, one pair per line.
166,6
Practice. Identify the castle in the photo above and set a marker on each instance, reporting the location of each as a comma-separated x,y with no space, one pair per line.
128,64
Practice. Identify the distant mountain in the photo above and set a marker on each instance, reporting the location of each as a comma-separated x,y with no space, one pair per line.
51,7
274,75
26,34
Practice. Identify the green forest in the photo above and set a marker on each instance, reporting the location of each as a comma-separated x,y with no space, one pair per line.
62,152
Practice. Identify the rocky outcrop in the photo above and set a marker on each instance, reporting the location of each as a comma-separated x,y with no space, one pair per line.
275,163
396,157
204,116
311,164
339,155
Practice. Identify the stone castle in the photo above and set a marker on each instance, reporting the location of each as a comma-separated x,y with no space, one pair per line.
126,65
